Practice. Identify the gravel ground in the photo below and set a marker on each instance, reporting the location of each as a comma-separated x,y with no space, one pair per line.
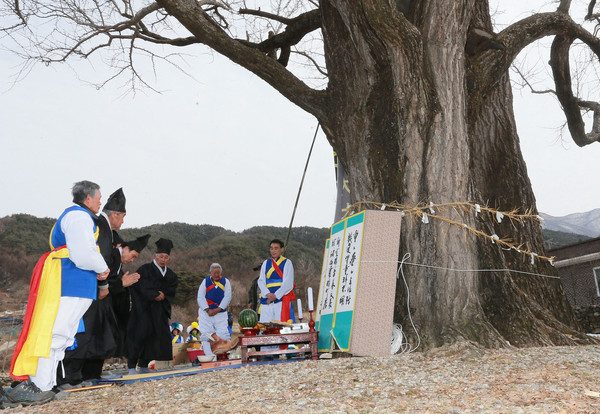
448,380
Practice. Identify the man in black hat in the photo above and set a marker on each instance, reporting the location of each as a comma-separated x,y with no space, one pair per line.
119,283
105,322
148,334
110,219
95,319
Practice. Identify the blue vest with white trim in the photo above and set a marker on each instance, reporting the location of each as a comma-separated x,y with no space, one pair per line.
274,281
215,295
75,282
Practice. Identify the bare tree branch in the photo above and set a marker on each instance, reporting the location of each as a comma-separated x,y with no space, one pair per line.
491,64
564,6
319,68
559,62
525,82
61,29
266,15
195,19
295,31
19,13
590,13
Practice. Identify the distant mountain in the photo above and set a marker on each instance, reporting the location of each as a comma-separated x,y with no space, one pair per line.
555,239
587,223
23,238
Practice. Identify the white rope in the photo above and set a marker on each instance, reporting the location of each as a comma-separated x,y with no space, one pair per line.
400,342
461,270
404,344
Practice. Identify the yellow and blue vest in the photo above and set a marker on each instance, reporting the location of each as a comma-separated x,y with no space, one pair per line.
75,282
215,292
273,279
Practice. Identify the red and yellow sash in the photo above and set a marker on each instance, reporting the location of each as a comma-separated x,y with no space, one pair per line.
42,306
287,298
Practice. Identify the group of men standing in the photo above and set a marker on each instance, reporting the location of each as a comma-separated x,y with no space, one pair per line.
78,312
273,291
78,308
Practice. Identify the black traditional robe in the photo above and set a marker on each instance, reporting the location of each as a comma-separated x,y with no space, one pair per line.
120,301
100,339
105,238
148,332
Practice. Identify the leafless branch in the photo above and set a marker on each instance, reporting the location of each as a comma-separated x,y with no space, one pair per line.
492,64
266,15
319,68
525,82
51,31
559,62
295,31
194,19
19,13
590,14
564,6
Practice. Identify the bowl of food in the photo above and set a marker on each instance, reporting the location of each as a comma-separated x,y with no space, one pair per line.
206,358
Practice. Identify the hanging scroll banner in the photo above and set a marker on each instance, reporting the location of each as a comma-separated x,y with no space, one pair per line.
358,284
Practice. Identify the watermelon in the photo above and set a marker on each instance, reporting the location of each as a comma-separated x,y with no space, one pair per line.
248,318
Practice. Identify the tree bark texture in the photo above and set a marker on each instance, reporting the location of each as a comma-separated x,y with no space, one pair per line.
414,119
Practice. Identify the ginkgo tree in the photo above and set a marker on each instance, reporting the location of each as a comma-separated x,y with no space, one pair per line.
415,99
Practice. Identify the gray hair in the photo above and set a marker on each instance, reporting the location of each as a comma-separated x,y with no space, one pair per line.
82,189
214,266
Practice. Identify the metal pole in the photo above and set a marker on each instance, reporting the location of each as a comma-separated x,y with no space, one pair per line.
301,183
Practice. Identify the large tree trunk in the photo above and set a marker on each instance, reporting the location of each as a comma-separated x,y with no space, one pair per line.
412,121
419,110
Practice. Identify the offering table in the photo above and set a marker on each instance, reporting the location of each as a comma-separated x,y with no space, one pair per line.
298,339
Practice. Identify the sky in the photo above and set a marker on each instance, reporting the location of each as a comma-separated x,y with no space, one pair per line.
221,148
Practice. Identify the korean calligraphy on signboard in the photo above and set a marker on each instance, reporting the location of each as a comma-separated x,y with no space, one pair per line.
358,284
338,282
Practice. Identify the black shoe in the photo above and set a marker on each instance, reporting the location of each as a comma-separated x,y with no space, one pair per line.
4,403
27,393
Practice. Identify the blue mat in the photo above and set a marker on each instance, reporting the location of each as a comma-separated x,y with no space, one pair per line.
177,372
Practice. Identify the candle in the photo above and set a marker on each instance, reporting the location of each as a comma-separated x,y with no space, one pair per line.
299,309
310,300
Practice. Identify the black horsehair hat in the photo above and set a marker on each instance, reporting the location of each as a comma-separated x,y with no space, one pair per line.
117,239
137,244
164,246
116,202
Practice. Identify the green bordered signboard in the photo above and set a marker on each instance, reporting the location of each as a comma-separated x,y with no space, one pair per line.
339,278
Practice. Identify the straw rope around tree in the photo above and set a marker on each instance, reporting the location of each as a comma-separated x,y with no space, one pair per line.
435,211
